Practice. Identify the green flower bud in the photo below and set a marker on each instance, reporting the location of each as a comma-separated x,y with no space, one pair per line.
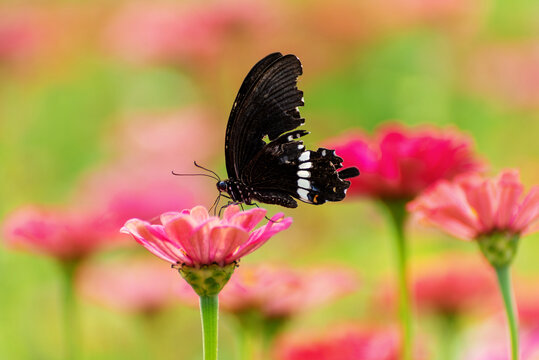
207,280
499,248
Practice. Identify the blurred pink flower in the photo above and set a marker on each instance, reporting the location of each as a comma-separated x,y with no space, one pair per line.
171,139
167,32
277,291
139,183
472,206
350,343
23,33
63,234
194,238
140,285
507,71
454,285
400,163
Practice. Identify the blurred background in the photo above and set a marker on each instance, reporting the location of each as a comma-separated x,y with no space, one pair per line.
100,100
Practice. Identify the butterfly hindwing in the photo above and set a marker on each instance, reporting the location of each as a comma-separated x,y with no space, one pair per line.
265,106
285,167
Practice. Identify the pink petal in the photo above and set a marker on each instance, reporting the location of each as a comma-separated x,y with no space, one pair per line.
453,227
166,217
247,220
483,199
180,230
509,190
528,212
142,233
446,206
257,238
199,214
230,211
453,204
224,241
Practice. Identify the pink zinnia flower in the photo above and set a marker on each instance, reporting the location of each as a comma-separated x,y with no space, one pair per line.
64,234
400,163
349,343
139,285
194,238
471,206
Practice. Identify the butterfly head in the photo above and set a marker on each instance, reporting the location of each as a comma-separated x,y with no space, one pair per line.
222,186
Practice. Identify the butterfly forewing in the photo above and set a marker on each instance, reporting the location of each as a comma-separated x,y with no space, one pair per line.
266,106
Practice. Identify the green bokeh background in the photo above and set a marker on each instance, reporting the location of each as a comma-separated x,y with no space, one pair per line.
53,122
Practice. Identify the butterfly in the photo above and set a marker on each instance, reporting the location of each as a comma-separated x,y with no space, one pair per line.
265,161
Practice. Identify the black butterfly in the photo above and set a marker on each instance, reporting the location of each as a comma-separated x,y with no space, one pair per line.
264,161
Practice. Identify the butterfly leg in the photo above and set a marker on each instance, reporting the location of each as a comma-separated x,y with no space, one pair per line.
267,218
227,205
216,203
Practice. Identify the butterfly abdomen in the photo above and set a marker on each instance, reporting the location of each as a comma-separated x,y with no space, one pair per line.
237,190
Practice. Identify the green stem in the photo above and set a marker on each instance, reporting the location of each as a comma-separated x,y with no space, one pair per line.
398,215
504,280
209,313
70,310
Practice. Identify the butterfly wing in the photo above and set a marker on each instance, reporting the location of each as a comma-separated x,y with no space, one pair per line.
283,170
266,105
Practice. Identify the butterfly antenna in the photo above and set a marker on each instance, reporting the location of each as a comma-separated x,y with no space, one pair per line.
208,170
216,177
178,174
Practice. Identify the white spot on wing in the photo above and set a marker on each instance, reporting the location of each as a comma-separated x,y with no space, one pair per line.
323,152
304,156
289,138
306,165
304,183
303,194
304,174
301,147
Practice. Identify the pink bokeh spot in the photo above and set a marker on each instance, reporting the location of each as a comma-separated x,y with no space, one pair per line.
472,206
446,289
194,238
341,343
168,32
134,285
66,234
400,163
